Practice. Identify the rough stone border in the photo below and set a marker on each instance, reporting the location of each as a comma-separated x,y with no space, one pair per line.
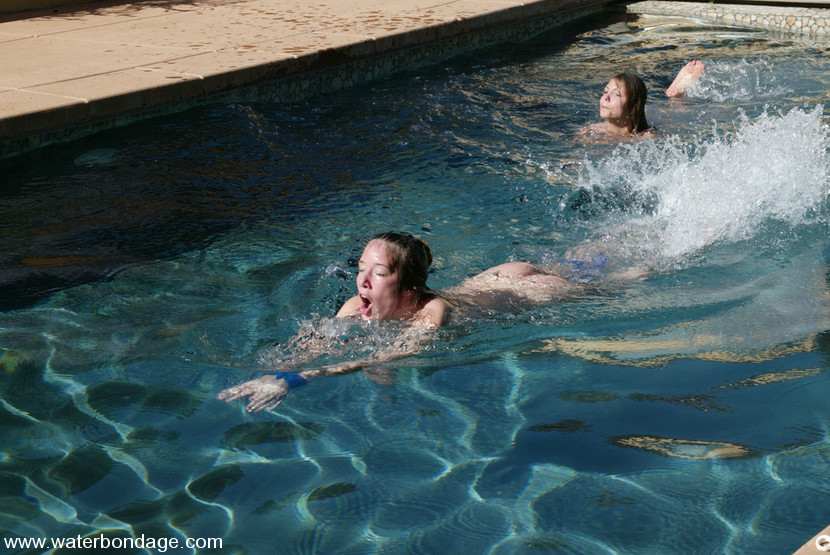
805,22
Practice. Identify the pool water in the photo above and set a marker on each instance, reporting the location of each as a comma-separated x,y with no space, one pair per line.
147,268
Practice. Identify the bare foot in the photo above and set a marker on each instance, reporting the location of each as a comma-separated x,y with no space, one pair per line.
687,75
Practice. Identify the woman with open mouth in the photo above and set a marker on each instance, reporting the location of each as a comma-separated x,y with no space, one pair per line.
391,285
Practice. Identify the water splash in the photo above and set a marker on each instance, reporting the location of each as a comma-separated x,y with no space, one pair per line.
737,80
333,340
724,188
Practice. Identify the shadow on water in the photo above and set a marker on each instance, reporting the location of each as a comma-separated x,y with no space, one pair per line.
79,213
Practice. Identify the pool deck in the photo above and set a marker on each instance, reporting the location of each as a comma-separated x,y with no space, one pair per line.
73,70
817,545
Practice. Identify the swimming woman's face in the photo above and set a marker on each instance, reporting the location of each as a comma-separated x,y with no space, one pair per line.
613,104
379,285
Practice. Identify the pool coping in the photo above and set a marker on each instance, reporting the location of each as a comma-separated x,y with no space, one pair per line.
48,100
799,21
811,547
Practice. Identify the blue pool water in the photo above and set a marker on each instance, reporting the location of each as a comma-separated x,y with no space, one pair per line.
146,269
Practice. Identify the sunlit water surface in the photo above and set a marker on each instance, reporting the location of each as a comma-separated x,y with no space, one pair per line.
148,268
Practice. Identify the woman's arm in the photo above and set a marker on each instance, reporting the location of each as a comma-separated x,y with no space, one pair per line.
686,77
267,392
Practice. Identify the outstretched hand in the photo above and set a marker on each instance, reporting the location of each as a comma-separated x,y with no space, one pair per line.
266,393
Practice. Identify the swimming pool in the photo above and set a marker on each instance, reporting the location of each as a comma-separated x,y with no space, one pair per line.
149,267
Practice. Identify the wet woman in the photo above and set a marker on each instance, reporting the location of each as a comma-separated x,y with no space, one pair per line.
622,108
622,105
391,285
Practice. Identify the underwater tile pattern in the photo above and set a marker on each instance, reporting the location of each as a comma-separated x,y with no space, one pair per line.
339,469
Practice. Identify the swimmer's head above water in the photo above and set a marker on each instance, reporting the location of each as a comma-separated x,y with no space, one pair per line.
392,276
622,108
623,103
409,257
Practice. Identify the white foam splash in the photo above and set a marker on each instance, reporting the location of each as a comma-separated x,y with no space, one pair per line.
724,188
736,80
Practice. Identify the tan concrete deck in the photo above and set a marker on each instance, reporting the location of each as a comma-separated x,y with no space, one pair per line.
817,545
65,72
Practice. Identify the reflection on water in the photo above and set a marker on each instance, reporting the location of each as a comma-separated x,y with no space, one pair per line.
148,268
684,449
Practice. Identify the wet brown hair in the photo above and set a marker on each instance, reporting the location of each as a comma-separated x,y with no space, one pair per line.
410,258
637,94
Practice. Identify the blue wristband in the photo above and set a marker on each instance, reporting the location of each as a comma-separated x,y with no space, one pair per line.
293,379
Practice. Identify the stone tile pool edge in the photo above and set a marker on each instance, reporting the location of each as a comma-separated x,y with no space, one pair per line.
800,21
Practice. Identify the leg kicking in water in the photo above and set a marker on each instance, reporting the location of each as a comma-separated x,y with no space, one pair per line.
686,77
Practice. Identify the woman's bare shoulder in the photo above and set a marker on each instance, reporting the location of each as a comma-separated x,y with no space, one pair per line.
435,313
350,307
592,129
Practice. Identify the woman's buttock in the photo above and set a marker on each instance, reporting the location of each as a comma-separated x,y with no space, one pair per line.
513,285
